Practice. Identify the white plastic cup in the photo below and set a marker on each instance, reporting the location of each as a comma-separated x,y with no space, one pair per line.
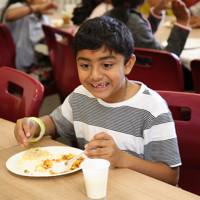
95,172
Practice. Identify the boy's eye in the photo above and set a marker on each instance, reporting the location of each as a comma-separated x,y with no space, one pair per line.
107,66
84,66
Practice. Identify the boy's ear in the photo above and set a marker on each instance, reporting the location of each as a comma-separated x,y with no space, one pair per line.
129,64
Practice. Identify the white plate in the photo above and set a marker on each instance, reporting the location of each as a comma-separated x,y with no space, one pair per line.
13,163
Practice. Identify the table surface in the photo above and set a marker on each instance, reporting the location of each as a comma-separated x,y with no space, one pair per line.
123,184
7,134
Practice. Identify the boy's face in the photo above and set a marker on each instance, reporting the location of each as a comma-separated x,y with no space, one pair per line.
102,73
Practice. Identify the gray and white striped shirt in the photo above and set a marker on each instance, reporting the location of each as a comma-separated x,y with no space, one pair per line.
142,125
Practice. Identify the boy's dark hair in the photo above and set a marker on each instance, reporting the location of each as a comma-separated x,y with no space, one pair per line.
104,31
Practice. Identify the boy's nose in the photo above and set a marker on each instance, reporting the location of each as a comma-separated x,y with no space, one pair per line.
95,74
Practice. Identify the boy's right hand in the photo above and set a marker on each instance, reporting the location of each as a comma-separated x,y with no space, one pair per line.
25,129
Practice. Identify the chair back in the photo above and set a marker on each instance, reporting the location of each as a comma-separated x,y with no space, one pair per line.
188,134
20,94
159,70
63,60
195,68
7,47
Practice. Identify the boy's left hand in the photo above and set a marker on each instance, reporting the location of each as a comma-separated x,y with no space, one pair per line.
103,146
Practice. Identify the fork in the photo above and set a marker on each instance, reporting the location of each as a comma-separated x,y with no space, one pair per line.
71,161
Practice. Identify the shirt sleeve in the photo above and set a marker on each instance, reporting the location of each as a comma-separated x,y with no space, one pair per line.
154,20
62,117
142,33
161,141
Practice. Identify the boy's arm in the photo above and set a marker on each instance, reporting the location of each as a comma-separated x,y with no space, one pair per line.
103,146
156,170
49,125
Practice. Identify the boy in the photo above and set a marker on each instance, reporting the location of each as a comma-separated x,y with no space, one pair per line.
114,118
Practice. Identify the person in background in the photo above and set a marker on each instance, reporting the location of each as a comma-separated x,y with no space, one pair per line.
100,9
24,19
84,10
108,115
143,30
88,9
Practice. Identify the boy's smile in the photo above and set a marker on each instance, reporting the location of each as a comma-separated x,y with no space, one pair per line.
102,72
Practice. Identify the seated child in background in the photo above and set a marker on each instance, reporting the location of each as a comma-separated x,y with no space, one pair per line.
88,9
110,116
101,9
143,30
83,11
24,18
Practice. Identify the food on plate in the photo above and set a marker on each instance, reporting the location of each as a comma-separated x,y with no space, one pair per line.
41,161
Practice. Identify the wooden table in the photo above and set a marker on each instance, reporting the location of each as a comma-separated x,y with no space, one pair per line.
7,134
124,184
187,55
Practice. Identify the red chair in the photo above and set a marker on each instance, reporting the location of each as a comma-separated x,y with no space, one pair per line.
7,47
20,94
195,68
159,70
63,60
188,133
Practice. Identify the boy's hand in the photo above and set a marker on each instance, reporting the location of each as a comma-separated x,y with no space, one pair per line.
103,146
25,129
181,12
